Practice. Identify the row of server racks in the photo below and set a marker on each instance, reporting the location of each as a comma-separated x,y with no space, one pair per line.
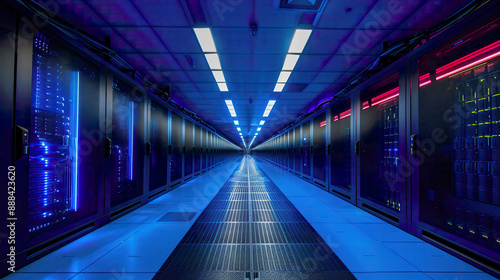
83,143
418,144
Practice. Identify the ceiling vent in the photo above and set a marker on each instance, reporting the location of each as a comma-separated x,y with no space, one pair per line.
310,5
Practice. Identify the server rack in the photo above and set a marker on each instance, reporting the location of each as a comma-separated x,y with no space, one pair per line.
197,149
297,150
204,149
157,147
126,137
455,141
380,145
57,121
341,151
8,156
306,147
176,163
188,148
319,150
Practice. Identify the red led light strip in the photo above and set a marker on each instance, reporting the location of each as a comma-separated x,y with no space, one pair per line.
366,105
489,52
345,114
386,96
335,118
424,80
323,123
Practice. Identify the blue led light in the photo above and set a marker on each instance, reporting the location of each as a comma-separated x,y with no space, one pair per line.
131,140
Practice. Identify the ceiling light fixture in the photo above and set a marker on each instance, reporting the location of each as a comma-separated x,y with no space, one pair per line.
269,107
230,106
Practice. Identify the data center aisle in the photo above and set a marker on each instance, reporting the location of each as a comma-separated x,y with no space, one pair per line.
250,230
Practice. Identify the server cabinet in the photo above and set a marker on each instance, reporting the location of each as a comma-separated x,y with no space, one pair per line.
297,150
7,51
306,147
456,141
210,150
175,148
204,149
381,185
319,156
341,151
158,146
58,112
197,148
124,166
188,148
287,149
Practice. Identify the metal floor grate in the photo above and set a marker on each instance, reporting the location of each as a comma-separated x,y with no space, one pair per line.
250,230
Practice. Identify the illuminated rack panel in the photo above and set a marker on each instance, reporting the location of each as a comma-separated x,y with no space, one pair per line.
61,189
176,148
379,144
52,150
159,146
320,162
340,149
127,150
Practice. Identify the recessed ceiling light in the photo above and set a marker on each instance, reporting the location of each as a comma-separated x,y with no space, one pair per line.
222,86
299,40
279,87
219,76
290,61
205,39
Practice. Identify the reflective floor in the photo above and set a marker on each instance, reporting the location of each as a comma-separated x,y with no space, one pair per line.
152,239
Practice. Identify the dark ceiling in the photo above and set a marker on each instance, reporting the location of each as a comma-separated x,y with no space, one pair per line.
157,37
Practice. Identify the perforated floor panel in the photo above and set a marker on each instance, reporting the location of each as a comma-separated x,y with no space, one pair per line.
250,230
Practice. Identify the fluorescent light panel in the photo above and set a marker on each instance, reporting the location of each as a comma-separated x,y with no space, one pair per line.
219,76
290,61
230,106
239,129
205,39
262,122
236,122
284,75
259,128
299,40
279,87
222,86
269,107
213,61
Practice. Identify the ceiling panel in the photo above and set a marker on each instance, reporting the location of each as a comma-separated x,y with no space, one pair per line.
179,39
80,14
191,62
388,14
326,41
142,39
118,44
159,13
254,76
162,61
239,40
311,62
344,14
117,12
